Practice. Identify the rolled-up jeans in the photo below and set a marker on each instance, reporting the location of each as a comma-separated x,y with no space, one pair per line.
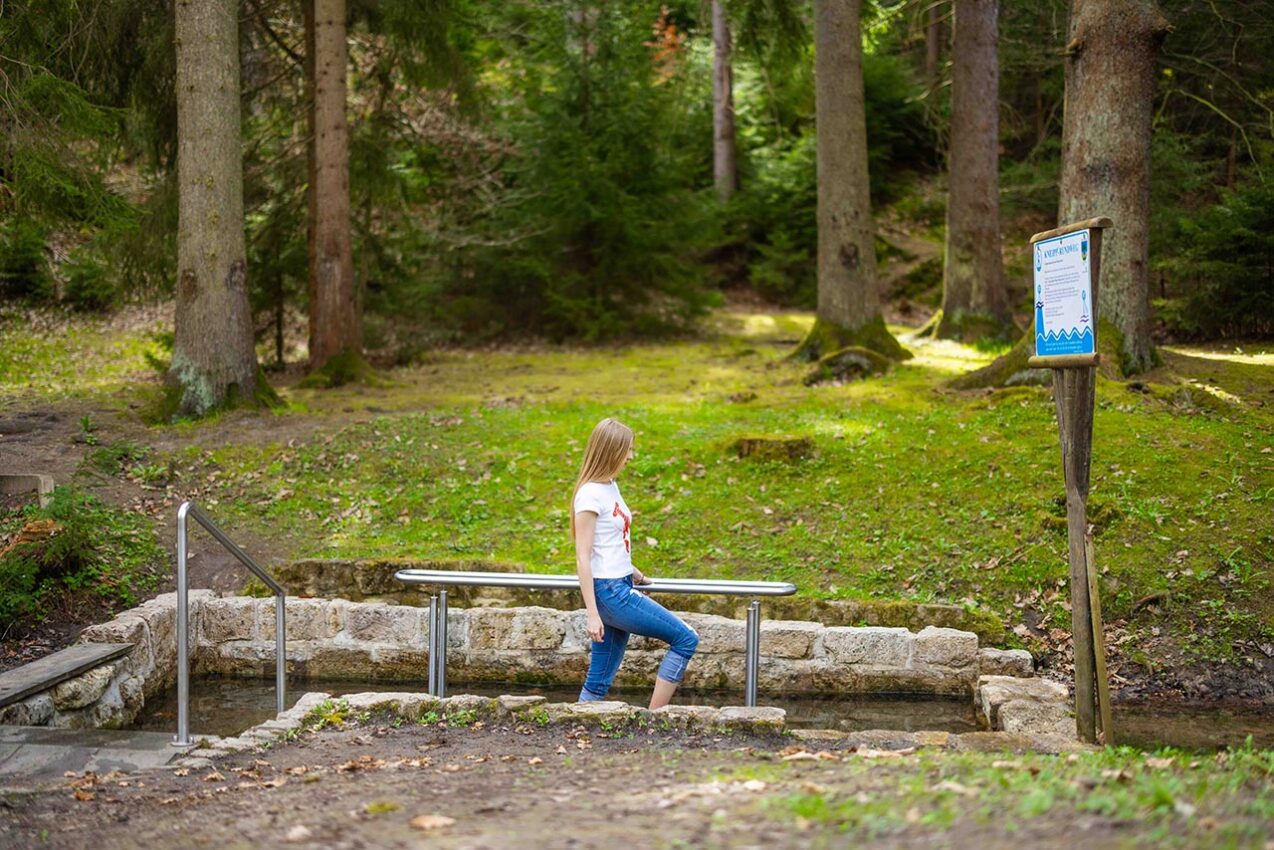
624,611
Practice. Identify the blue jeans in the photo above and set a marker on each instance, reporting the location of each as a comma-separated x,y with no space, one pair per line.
626,611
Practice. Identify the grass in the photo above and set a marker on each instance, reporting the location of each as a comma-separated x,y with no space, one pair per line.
99,550
913,492
1163,799
49,356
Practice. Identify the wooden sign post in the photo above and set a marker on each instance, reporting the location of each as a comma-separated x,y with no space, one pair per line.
1067,262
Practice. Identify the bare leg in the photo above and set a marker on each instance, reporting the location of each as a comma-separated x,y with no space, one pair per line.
663,693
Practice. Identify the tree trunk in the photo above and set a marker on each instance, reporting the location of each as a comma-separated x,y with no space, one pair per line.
335,323
848,301
974,303
1106,153
724,169
214,364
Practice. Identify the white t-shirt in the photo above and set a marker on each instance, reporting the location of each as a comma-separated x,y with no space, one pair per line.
612,553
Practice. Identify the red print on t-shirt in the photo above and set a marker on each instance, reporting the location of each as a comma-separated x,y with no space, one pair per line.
627,522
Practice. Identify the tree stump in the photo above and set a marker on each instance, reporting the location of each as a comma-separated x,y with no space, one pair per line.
773,448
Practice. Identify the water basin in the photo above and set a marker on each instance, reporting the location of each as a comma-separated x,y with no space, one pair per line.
227,706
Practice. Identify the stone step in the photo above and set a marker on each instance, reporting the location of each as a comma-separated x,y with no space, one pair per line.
31,756
43,673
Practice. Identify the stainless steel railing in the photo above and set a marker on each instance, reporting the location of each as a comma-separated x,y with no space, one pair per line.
459,578
191,510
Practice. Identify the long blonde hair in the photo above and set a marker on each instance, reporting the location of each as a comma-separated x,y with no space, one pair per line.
604,457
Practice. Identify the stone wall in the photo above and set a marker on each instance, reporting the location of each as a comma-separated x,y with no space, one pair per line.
339,639
372,580
111,694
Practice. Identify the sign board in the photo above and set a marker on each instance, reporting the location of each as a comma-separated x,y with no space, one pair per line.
1064,295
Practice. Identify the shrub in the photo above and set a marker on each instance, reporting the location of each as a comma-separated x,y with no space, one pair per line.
1227,257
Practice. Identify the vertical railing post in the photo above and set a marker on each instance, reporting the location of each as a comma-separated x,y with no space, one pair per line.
433,646
183,636
280,652
442,643
753,655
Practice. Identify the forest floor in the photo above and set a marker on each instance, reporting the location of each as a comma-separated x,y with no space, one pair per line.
914,492
381,783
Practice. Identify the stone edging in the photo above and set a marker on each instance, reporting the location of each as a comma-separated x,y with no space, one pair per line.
612,715
338,639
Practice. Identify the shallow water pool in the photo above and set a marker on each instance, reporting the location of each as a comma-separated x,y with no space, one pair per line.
223,706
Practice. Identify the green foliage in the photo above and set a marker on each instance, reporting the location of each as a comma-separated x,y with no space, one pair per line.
773,221
600,221
1227,257
24,268
94,548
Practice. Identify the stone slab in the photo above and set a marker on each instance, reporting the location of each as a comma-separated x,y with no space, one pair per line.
42,674
39,755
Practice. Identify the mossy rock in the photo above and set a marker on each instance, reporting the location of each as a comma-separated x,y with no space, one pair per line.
780,448
848,364
825,338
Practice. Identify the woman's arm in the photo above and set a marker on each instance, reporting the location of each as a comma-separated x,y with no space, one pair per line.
585,528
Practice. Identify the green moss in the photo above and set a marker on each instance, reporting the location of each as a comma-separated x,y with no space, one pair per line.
824,338
972,328
851,363
784,448
348,367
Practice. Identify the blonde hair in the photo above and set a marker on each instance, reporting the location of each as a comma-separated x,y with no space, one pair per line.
604,457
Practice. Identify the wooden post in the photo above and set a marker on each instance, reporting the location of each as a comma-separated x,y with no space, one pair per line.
1074,390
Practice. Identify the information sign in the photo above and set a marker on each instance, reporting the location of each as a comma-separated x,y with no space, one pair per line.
1063,295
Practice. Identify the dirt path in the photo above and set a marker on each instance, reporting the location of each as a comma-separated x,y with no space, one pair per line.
554,786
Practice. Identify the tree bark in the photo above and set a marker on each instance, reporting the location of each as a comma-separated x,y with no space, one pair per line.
214,363
335,323
1106,153
974,303
848,301
724,158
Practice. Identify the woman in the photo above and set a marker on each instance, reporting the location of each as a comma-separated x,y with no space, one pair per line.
600,525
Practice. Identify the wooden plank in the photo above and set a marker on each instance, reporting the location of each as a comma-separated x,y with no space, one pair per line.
40,675
1095,224
1063,361
1107,734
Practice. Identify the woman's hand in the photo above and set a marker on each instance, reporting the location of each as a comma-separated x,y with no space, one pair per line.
594,627
639,577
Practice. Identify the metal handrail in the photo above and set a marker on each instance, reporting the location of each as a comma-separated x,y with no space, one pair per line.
537,581
190,509
533,581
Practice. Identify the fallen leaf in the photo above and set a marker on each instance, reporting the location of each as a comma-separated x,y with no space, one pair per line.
84,796
754,785
956,788
802,755
213,776
535,760
428,822
885,754
1158,763
297,834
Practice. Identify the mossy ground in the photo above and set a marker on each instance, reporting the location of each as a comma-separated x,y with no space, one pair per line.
913,492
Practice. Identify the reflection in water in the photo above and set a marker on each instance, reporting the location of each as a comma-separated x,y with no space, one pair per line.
220,706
